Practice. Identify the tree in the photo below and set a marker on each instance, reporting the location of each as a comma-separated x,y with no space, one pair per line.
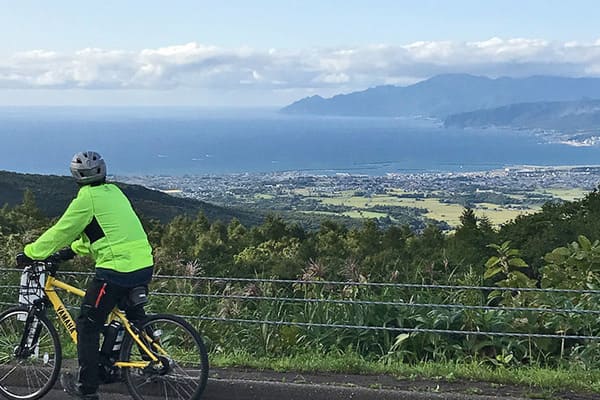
428,252
274,228
178,239
468,246
505,269
575,266
556,224
330,248
365,241
272,258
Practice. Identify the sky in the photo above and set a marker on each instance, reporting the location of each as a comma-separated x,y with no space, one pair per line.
265,53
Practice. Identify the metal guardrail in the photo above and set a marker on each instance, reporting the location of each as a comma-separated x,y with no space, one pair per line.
554,310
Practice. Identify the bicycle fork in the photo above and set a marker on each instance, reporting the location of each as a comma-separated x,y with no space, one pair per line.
31,335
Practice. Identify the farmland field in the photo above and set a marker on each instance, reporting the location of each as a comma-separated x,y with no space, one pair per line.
436,207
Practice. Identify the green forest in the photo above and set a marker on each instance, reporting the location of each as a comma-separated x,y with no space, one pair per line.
556,247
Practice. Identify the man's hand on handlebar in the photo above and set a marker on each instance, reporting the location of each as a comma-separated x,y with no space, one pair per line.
23,260
65,254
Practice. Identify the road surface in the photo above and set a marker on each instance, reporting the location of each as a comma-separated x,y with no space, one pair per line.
255,390
243,384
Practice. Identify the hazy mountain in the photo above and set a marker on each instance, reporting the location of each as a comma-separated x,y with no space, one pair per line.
582,115
53,194
448,94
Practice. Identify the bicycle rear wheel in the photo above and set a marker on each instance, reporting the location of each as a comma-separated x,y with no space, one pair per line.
183,371
27,372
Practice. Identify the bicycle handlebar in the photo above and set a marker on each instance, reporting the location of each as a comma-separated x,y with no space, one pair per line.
49,265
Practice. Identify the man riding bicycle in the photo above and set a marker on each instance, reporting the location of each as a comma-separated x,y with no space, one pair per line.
99,222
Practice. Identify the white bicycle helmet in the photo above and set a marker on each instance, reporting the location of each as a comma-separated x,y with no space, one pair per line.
88,167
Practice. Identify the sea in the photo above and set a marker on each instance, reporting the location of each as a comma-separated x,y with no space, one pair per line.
199,141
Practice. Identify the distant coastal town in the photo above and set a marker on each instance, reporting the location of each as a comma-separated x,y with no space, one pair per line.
501,194
509,179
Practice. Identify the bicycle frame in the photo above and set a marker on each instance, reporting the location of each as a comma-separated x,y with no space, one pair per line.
69,323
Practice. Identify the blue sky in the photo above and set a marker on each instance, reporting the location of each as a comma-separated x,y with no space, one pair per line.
256,53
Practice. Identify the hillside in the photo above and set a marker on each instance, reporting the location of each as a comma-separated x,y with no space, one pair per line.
583,115
444,95
53,194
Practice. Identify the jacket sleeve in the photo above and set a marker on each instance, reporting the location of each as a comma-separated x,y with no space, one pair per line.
77,216
82,246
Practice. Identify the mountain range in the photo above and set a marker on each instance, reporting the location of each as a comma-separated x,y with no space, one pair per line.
53,194
448,94
565,116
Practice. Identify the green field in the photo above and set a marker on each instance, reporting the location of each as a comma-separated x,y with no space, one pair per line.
437,205
436,208
565,194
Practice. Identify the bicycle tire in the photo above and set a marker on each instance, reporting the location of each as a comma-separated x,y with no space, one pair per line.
187,374
27,377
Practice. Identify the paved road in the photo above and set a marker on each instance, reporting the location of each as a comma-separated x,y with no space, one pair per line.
248,384
231,389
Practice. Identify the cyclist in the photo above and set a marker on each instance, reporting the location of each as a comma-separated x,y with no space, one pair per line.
99,222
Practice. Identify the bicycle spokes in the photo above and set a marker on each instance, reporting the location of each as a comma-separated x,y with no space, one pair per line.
30,355
182,367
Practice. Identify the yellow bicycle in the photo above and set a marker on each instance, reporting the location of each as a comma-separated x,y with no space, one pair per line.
160,356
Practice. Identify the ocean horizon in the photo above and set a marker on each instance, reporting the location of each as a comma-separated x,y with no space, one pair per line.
186,140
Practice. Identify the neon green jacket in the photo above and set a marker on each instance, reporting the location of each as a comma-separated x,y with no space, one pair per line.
99,222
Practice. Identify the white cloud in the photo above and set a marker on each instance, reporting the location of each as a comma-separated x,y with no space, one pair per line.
198,66
332,78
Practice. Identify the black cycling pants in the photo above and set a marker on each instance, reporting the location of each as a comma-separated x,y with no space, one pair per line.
99,300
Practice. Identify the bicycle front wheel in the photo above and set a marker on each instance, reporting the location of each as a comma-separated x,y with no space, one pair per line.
30,356
183,370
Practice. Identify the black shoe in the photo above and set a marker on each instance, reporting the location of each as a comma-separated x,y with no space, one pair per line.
110,375
72,387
